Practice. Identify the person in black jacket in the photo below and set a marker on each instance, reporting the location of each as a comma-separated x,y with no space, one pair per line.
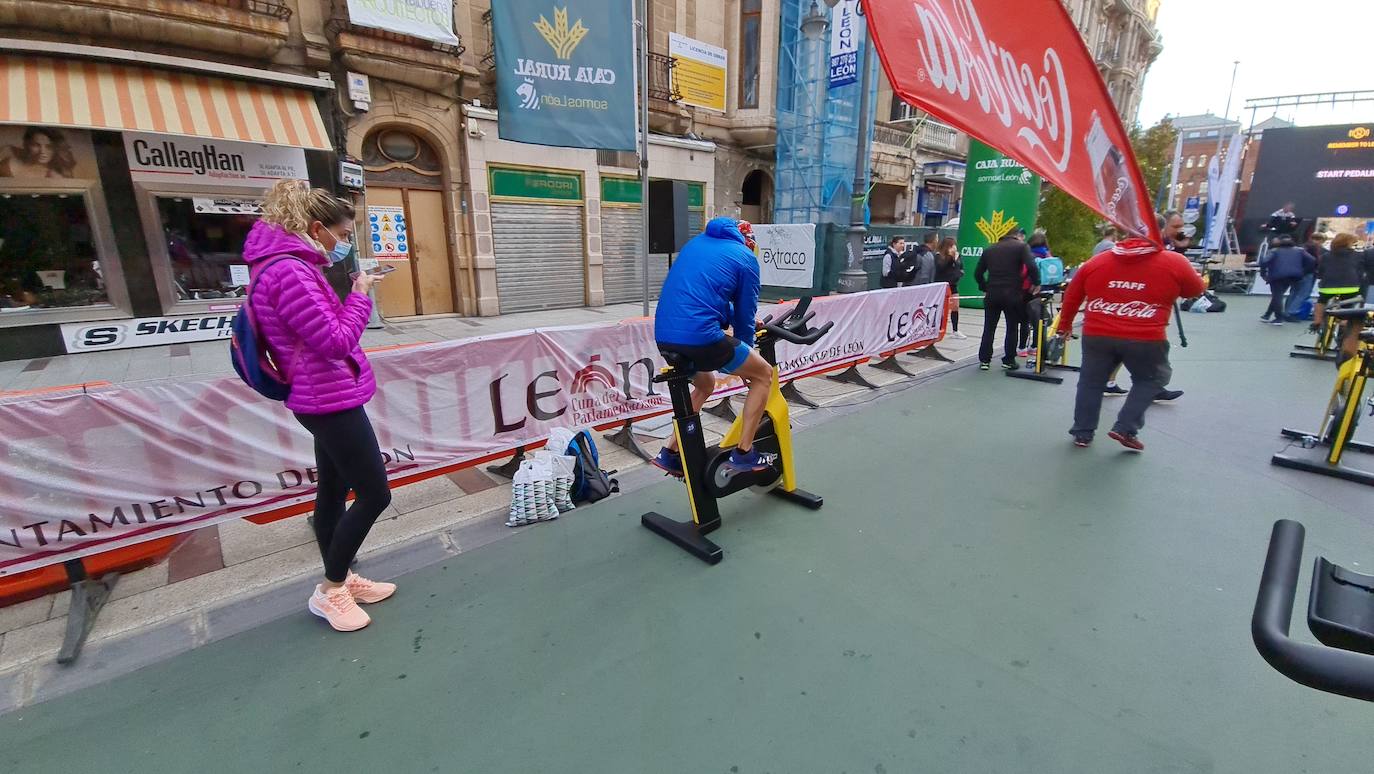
1282,268
922,260
998,275
896,265
1344,273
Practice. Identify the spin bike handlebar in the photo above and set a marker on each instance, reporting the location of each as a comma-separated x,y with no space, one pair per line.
1341,672
793,327
1352,309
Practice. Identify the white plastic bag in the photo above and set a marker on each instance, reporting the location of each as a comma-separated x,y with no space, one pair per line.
1202,304
564,468
522,510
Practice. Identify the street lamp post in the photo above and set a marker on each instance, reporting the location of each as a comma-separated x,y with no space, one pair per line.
853,278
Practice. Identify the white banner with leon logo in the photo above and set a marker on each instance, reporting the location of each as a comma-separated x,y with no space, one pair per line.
87,472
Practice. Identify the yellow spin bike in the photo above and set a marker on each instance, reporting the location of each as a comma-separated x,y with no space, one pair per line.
1343,410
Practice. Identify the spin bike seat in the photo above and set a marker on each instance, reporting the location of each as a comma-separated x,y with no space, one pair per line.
679,367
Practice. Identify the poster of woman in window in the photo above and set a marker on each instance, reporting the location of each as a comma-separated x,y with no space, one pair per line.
31,152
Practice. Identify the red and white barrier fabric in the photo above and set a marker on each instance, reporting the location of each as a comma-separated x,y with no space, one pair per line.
86,472
1017,75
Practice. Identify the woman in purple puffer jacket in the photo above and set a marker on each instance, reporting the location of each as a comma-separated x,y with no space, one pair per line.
313,338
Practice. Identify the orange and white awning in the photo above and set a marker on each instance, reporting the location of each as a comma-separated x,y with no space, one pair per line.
98,95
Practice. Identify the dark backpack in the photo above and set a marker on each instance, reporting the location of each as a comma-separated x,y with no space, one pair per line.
590,482
250,357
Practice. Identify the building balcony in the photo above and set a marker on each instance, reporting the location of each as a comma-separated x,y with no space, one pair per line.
251,29
391,56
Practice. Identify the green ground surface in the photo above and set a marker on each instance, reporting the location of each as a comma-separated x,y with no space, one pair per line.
977,596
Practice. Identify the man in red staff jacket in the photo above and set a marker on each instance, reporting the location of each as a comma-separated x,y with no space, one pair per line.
1126,295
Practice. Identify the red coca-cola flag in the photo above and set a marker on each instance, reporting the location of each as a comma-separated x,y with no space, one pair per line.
1016,75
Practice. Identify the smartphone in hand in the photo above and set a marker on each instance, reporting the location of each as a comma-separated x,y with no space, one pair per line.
380,271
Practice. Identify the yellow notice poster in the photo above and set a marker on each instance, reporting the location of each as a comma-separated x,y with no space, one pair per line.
700,72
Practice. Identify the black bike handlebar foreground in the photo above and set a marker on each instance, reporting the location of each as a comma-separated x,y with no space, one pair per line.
1341,672
793,327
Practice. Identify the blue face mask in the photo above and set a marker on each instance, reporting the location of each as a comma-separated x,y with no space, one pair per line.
340,251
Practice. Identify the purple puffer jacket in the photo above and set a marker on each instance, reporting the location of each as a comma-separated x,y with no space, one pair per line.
311,334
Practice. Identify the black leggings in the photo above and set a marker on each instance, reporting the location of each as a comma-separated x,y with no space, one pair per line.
346,457
954,318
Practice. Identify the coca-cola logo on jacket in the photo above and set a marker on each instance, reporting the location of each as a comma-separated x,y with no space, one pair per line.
1134,310
958,57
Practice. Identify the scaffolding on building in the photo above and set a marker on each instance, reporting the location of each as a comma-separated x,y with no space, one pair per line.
818,128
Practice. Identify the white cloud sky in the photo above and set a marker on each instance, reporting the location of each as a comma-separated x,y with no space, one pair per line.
1283,48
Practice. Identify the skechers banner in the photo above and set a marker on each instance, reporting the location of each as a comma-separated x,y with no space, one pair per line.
1016,75
85,472
565,72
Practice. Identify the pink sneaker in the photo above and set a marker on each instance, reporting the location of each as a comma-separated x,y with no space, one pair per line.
367,591
338,608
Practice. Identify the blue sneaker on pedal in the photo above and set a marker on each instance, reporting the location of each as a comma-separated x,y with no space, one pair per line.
668,461
750,462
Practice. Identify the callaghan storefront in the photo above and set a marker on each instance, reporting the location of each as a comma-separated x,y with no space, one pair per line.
126,191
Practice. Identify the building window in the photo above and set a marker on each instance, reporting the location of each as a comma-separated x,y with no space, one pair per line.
1212,132
750,35
1202,160
48,256
1194,135
1202,188
1189,163
205,244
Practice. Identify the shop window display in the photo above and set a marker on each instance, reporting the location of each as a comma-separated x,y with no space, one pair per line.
205,243
48,257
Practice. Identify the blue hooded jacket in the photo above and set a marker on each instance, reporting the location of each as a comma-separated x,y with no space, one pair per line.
713,283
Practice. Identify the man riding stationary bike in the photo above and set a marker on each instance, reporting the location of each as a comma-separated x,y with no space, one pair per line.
714,283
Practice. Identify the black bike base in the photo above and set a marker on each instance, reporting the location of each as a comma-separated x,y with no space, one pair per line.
800,497
1353,475
1301,435
1313,355
1026,373
685,535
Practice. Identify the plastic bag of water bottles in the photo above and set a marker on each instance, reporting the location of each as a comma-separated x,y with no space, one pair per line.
534,492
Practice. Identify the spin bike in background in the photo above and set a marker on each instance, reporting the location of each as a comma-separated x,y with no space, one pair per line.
1328,335
1343,410
703,470
1051,352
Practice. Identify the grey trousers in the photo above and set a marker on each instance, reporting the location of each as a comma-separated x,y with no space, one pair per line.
1148,364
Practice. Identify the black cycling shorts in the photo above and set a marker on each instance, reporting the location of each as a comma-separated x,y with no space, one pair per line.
724,356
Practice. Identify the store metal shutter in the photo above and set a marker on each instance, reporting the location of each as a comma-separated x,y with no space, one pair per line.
696,222
540,258
621,234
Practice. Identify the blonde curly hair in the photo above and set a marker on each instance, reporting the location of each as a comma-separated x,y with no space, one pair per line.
294,205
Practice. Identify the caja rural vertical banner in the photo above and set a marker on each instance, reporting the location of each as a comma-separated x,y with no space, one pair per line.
1017,75
1000,195
565,72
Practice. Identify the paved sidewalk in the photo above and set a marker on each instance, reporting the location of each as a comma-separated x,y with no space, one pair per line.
237,574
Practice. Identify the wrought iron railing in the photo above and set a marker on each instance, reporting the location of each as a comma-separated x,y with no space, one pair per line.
662,86
273,8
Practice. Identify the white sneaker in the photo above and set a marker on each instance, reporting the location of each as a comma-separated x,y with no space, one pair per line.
959,335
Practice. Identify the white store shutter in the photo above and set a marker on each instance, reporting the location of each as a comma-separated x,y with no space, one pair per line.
620,239
540,258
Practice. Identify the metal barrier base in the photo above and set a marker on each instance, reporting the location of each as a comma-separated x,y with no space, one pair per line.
792,395
625,439
1330,356
851,375
508,468
1034,377
723,410
892,365
931,353
88,598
